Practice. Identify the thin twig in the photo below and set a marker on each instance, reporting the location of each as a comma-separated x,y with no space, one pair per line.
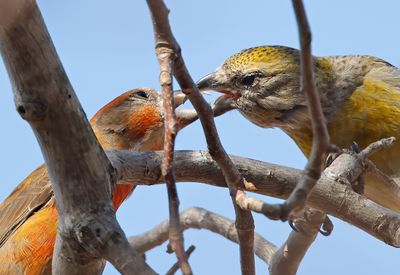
376,146
387,180
258,206
165,57
200,218
288,258
314,167
244,220
175,267
320,145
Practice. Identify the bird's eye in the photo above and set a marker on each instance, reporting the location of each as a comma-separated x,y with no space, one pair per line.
248,80
142,94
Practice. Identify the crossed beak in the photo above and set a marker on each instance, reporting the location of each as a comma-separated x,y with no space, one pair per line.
206,83
179,98
211,82
223,103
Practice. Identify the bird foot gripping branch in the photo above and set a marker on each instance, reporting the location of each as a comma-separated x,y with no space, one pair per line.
358,165
346,168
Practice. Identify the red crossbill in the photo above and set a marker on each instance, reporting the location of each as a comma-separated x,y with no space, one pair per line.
28,216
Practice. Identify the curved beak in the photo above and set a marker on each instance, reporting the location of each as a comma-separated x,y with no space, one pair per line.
208,82
213,81
179,98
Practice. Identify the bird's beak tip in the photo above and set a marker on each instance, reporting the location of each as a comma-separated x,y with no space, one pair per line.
208,82
179,98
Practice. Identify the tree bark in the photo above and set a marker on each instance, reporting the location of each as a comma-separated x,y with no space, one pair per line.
82,177
329,194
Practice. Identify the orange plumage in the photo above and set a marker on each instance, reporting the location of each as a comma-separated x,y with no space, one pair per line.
28,216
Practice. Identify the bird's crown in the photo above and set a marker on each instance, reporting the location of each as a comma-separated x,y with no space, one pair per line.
258,57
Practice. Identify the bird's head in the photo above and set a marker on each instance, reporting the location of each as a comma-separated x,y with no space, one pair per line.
133,121
264,83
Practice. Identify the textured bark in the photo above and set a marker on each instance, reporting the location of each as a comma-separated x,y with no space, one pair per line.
82,177
165,59
287,259
331,194
199,218
165,41
320,142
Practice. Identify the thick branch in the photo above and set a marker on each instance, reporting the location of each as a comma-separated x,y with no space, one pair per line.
329,195
199,218
81,175
244,220
288,257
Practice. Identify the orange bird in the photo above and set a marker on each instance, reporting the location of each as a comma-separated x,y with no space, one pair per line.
28,216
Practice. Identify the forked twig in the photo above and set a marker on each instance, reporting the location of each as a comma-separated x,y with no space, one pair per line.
175,267
320,145
200,218
287,259
244,220
165,58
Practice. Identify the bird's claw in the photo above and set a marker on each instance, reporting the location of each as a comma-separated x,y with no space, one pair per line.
354,147
326,227
292,225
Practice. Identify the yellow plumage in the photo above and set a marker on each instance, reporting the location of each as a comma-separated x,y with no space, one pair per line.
371,113
360,96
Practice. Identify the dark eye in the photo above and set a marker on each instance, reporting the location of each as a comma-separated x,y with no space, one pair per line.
248,80
142,94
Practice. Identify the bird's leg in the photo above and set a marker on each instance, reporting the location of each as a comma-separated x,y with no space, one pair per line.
354,149
308,217
334,152
327,226
359,184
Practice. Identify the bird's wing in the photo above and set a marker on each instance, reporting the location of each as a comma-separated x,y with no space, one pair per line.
384,72
378,99
26,199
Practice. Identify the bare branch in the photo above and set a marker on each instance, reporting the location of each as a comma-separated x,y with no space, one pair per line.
199,218
175,267
258,206
330,195
376,146
320,145
165,57
288,257
81,175
353,166
244,219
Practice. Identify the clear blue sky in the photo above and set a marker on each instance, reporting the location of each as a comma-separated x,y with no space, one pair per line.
107,48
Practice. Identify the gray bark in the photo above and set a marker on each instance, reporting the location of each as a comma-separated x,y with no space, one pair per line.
81,175
329,195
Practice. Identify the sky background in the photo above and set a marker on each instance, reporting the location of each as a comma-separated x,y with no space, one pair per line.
107,48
